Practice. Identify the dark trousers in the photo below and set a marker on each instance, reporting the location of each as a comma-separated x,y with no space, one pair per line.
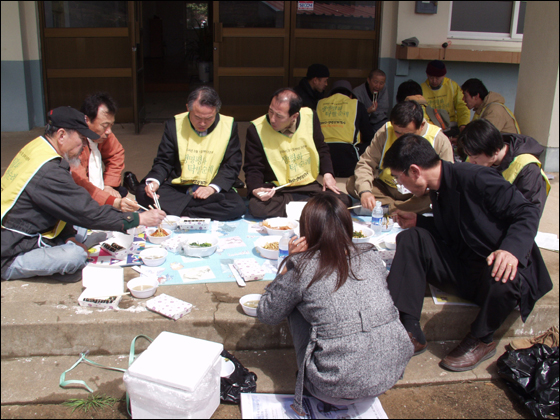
174,200
420,257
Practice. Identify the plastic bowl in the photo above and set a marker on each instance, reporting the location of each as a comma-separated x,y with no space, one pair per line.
267,253
278,222
153,256
194,251
247,309
157,239
391,241
171,222
228,367
149,285
365,230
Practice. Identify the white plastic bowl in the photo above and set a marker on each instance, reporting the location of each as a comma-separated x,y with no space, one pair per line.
153,256
171,222
157,239
267,253
278,222
228,367
194,251
247,309
149,285
391,241
365,230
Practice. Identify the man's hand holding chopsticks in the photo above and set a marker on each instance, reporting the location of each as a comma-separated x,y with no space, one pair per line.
151,188
152,217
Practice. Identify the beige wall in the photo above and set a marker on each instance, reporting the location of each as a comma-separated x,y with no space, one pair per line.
388,40
536,103
29,29
11,32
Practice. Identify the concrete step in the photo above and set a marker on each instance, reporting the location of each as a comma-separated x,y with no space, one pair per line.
42,318
35,380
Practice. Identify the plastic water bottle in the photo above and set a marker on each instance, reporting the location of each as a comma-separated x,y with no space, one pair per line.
283,246
377,218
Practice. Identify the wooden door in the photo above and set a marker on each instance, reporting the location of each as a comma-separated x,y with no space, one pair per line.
137,59
251,54
86,48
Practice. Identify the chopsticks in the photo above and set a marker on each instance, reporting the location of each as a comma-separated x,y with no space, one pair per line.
354,207
274,189
156,201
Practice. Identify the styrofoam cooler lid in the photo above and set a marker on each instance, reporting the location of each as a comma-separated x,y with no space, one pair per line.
176,360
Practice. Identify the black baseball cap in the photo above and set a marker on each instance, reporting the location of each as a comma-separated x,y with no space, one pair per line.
68,117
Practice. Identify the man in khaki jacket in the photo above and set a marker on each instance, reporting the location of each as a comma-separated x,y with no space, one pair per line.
371,182
490,106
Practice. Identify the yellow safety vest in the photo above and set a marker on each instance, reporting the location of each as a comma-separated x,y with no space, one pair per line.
385,175
21,170
477,116
518,163
293,160
337,115
201,157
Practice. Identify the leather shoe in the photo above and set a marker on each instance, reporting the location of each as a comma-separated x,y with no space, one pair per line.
130,182
418,348
468,354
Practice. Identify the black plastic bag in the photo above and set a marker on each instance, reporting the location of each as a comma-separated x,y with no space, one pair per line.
532,375
241,380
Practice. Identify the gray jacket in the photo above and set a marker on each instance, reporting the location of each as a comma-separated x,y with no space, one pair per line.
383,108
358,348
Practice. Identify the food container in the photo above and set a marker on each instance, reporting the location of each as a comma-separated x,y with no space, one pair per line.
367,232
200,251
249,269
169,306
171,222
387,223
194,224
175,377
267,253
143,287
119,245
153,257
250,299
228,367
391,241
273,226
157,239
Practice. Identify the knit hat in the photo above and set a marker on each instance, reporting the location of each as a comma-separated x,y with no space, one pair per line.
436,68
342,84
317,70
68,117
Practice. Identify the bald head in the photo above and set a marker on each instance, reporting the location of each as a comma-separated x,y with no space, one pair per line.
284,108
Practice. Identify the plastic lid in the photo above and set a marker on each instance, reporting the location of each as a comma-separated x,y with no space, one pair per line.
176,360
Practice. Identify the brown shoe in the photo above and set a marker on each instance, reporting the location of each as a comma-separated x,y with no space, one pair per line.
549,337
468,354
418,348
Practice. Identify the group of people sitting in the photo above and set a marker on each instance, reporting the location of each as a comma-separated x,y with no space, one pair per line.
471,226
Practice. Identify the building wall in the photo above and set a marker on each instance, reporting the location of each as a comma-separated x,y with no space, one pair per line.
22,92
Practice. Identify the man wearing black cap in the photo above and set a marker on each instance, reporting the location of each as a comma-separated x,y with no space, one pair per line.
442,92
312,88
41,203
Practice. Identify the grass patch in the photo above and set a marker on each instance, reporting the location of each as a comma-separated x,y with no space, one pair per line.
92,402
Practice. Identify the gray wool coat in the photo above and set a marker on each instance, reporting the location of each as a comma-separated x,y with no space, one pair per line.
356,346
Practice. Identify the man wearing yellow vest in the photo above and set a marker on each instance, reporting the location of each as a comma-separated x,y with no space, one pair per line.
286,148
442,92
41,203
490,106
372,182
345,126
515,156
197,162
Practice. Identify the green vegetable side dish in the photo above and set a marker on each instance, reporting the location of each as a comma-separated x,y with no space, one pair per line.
358,234
200,245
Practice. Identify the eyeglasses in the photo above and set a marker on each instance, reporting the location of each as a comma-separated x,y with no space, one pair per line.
396,178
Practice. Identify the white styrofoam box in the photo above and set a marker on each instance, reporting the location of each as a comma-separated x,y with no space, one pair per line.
175,377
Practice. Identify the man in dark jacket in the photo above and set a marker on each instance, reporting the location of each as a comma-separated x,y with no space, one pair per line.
478,245
515,156
312,88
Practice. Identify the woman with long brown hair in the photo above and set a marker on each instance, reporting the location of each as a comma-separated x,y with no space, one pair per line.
349,342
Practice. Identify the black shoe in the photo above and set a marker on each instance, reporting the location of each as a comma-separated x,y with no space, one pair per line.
130,182
238,184
67,278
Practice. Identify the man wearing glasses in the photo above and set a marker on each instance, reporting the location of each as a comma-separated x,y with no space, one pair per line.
478,245
372,182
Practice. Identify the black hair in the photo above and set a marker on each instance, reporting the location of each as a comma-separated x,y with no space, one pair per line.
376,72
93,102
406,112
475,87
295,100
206,96
410,149
480,136
408,88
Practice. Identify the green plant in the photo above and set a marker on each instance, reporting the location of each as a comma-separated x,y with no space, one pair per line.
91,402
